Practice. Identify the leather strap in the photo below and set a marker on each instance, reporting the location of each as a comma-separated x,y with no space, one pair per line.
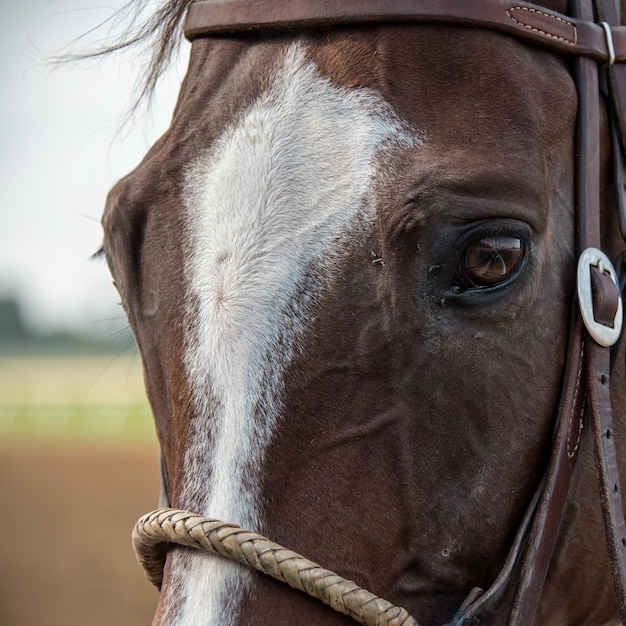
523,20
608,12
605,297
599,373
598,358
596,362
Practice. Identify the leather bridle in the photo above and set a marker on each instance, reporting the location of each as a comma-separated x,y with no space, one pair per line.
597,43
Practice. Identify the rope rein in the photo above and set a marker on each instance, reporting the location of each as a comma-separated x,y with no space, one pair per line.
154,531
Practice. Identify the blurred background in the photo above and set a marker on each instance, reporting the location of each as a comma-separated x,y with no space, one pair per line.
78,454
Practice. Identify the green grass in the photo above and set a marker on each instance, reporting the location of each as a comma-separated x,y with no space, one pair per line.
74,398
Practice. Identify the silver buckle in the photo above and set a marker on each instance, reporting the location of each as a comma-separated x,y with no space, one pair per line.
609,42
604,335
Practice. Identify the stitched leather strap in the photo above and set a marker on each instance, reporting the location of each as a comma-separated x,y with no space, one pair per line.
598,373
520,19
598,361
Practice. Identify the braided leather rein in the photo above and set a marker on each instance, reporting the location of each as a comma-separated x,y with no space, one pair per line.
155,531
596,47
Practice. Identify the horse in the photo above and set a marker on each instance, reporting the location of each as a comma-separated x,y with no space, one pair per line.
350,266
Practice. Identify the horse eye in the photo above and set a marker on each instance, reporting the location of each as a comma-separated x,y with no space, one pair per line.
488,262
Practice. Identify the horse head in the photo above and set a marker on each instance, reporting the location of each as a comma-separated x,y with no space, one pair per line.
349,266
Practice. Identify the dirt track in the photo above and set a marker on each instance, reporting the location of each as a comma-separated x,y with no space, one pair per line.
65,554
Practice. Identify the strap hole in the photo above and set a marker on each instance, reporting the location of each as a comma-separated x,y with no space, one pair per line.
603,379
608,433
624,542
615,488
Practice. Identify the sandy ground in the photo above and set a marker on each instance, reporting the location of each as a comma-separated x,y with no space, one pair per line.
65,553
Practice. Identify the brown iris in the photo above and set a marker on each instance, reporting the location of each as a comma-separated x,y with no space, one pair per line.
489,261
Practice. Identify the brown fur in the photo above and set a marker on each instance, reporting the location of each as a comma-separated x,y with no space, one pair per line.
417,423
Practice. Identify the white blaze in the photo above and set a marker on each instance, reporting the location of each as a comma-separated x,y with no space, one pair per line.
267,209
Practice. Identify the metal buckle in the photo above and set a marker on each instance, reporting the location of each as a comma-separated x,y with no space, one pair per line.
609,42
604,335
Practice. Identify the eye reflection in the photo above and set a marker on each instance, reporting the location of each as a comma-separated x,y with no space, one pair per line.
488,262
